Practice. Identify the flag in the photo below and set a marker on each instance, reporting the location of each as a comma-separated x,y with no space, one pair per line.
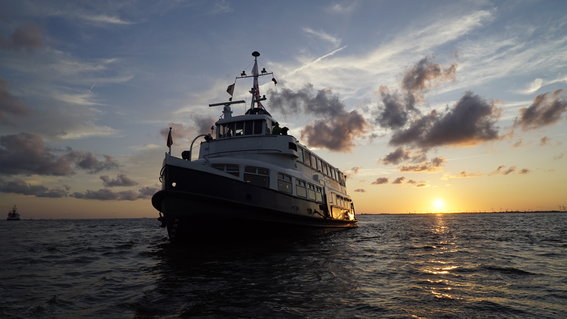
230,89
169,139
274,80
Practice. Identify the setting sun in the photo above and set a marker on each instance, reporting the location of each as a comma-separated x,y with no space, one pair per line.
438,205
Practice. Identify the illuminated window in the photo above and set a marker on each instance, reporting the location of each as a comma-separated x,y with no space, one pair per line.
284,183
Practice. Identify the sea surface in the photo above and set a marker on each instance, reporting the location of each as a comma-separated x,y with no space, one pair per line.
511,265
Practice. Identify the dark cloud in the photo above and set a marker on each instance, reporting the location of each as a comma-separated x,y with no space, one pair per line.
107,194
27,36
322,102
89,162
336,131
546,109
429,166
27,154
401,155
147,192
399,180
395,109
336,134
380,180
505,170
203,124
120,180
9,104
425,75
471,121
19,186
360,190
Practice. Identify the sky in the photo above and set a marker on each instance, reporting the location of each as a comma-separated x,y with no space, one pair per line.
427,106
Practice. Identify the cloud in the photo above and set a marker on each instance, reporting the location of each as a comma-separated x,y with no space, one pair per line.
461,174
546,109
472,120
544,140
27,36
339,127
399,180
504,170
19,186
107,194
89,162
395,108
120,180
178,132
533,87
380,181
360,190
27,154
401,155
425,75
429,166
336,134
323,36
317,102
9,104
204,123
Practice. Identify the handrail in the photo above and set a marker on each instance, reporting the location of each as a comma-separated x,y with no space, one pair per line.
191,147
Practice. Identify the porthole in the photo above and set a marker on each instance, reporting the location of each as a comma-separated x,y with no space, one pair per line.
173,184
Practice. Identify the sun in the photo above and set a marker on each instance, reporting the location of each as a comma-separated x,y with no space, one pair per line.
439,205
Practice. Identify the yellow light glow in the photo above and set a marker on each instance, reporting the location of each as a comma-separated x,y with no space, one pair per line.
439,205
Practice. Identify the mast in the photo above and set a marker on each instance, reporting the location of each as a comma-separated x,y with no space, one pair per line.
255,87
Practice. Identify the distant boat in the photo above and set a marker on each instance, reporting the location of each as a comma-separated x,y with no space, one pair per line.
13,214
251,177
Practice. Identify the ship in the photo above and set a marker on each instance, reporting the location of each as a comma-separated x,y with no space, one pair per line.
13,214
250,179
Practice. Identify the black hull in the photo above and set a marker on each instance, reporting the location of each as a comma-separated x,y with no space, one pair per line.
204,205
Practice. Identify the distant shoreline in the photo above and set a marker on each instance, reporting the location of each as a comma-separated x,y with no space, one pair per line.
453,213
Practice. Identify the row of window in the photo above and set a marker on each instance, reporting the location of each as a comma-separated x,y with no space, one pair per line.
253,127
343,201
302,188
313,161
261,176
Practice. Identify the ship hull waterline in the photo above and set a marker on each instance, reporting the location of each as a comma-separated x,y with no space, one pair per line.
216,207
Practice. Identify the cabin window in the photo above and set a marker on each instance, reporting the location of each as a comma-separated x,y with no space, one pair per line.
313,161
311,191
300,154
257,176
325,168
292,146
319,166
307,158
232,169
248,127
284,183
300,188
258,124
318,194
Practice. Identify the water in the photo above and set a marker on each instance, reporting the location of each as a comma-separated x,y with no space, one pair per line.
392,266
